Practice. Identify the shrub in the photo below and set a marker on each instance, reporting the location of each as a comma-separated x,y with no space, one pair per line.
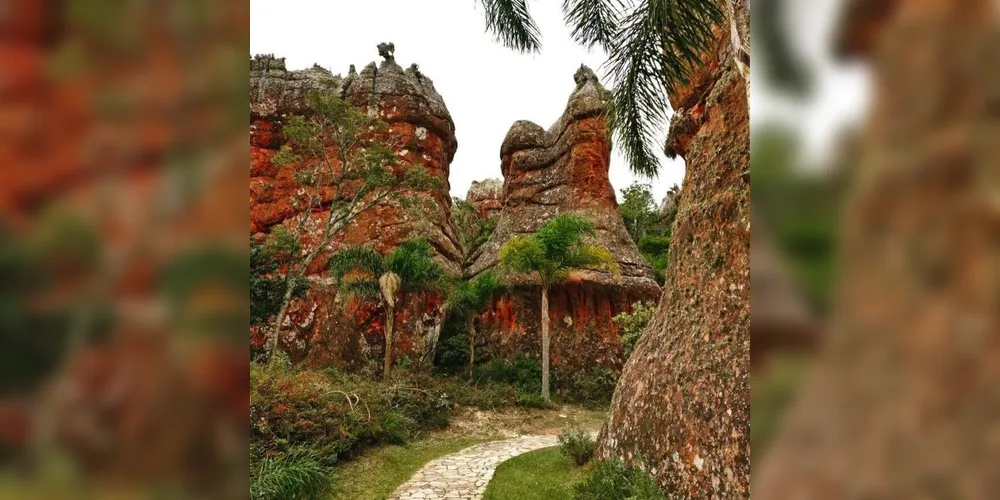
299,474
592,388
577,445
614,480
524,373
632,324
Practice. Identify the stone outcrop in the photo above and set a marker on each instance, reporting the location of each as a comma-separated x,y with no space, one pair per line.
902,399
682,405
486,197
548,172
421,133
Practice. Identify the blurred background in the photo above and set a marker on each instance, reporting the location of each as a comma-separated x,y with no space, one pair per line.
123,258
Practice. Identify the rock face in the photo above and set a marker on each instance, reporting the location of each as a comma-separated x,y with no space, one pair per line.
421,132
564,169
909,369
486,197
682,405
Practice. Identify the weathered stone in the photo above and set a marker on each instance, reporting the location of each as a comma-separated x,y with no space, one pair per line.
421,132
682,405
486,197
563,169
902,400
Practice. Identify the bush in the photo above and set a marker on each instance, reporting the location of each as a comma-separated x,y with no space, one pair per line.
299,474
614,480
524,373
577,445
592,388
632,324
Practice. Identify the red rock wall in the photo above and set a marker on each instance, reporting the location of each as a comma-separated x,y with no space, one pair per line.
421,132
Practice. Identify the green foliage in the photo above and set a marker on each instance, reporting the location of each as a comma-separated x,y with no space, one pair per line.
543,474
577,445
524,373
649,229
592,388
555,249
633,324
357,269
413,261
299,474
613,479
471,296
267,286
651,46
473,229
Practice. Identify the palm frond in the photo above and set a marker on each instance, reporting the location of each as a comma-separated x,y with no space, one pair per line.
356,260
413,261
560,235
593,257
656,46
512,25
594,22
523,254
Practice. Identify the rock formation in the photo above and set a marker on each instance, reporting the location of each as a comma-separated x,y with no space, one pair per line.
682,405
421,132
486,197
902,401
563,169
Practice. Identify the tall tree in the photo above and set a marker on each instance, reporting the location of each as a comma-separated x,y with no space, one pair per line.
651,45
362,273
467,299
345,169
550,254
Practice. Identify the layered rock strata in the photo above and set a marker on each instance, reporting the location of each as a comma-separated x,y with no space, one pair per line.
548,172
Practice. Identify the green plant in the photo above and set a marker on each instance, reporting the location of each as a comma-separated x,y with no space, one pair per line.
592,387
551,253
364,274
467,299
612,479
298,474
632,324
577,445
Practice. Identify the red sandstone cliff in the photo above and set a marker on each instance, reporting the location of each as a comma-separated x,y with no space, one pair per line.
421,132
682,405
563,169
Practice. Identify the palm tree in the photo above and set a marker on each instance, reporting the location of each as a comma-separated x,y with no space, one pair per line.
468,298
551,253
364,274
651,46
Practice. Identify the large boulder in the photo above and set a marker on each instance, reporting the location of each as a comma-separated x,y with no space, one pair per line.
421,132
486,197
682,405
548,172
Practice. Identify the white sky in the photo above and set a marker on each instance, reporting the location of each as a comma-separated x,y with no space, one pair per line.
841,93
486,86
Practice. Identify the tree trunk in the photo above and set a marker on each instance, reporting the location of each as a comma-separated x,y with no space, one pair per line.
280,318
390,321
470,328
545,343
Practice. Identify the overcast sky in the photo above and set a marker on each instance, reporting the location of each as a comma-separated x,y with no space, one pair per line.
486,87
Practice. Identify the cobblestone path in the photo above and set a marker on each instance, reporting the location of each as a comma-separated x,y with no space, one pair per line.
463,475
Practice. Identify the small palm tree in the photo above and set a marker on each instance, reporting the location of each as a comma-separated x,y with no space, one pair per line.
551,253
364,274
468,298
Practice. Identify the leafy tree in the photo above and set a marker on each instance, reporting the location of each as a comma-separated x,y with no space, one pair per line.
343,162
651,46
467,299
267,286
364,274
473,229
649,227
550,254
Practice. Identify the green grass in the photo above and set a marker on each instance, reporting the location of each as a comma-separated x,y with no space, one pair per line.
544,474
376,474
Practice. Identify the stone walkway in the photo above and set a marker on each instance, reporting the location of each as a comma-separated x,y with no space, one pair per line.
463,475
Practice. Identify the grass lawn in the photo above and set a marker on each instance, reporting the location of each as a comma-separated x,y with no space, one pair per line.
544,474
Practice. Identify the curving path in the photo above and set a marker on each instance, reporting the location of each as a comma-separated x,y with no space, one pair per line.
463,475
